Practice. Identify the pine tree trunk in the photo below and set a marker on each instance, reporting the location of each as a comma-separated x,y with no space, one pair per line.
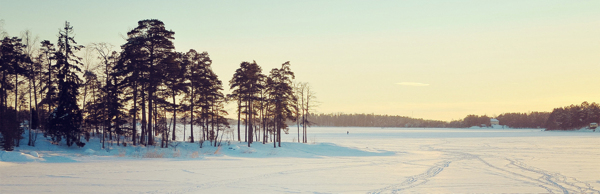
95,112
250,132
149,127
174,117
134,119
204,124
103,136
239,114
307,114
303,117
154,122
35,100
263,123
246,125
192,117
212,125
279,133
16,99
143,133
84,99
30,114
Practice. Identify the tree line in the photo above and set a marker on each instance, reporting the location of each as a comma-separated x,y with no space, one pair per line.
573,116
562,118
513,120
136,94
372,120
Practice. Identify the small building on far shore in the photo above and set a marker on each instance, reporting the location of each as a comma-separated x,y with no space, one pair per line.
494,122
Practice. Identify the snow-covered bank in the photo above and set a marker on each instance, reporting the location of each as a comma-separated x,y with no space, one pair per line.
44,151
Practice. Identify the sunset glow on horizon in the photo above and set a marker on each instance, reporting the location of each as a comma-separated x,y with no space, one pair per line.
437,60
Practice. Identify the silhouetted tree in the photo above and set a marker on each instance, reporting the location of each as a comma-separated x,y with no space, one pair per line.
50,99
246,83
12,60
299,93
215,101
279,87
148,47
309,105
65,120
239,90
197,74
176,83
131,66
111,100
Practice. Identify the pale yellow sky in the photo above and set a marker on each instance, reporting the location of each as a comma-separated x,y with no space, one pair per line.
462,57
483,71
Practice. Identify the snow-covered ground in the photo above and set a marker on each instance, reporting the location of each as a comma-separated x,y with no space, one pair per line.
367,160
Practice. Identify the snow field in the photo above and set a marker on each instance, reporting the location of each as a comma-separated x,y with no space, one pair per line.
368,160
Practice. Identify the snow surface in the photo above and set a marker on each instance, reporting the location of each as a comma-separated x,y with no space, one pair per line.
367,160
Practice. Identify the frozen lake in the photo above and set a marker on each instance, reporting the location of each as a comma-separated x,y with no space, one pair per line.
367,160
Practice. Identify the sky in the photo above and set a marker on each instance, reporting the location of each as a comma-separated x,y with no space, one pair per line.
434,59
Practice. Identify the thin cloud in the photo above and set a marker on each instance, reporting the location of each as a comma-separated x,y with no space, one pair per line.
412,84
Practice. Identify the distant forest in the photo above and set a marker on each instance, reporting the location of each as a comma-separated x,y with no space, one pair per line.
373,120
513,120
564,118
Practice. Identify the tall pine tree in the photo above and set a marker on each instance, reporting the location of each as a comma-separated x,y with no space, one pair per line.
11,60
246,83
65,119
147,51
197,74
279,87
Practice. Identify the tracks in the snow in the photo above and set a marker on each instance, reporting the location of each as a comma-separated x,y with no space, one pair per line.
415,180
509,168
561,183
550,181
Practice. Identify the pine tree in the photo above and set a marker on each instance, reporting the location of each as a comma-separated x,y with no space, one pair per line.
176,84
279,87
50,99
237,94
65,119
147,50
12,58
246,82
214,101
112,99
198,75
130,66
